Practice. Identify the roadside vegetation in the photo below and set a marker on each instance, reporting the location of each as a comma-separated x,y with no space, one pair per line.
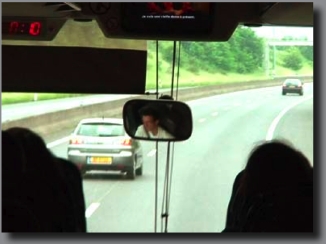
244,57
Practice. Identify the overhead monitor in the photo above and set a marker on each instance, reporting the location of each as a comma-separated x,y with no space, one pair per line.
184,18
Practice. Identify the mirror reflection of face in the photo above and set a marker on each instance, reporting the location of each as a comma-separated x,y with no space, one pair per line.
150,123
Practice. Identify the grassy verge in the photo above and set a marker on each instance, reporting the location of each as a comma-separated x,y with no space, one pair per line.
11,97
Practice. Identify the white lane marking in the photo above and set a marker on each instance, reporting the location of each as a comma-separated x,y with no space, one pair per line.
91,209
214,114
109,191
151,153
57,142
202,120
272,127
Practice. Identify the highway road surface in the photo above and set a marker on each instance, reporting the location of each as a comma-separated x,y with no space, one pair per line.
226,128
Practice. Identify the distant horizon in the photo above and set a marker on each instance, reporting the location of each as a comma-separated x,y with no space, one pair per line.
279,32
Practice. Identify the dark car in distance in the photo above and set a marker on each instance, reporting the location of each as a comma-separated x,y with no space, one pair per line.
292,86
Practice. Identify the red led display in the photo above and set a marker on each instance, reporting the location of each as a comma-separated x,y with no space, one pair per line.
35,28
32,28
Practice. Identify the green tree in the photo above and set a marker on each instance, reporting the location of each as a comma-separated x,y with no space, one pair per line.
243,53
247,50
307,52
293,59
287,38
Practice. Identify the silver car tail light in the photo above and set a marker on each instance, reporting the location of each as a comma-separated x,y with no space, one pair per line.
76,141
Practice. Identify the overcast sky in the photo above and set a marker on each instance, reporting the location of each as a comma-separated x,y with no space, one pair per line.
284,31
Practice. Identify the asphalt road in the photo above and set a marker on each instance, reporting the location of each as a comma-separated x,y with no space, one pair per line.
226,128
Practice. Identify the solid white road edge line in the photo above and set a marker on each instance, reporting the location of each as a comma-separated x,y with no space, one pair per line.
272,127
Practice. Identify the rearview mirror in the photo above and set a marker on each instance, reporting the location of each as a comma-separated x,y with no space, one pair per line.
157,120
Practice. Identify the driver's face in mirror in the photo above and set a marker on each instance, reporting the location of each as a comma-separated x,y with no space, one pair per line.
150,123
150,127
156,120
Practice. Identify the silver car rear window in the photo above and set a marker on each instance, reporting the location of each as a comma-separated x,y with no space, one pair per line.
101,129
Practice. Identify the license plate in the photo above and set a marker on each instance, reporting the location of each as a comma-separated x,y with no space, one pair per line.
100,160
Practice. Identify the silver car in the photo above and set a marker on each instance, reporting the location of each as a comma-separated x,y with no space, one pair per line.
102,144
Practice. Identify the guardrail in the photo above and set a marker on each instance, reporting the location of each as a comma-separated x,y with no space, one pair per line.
54,125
